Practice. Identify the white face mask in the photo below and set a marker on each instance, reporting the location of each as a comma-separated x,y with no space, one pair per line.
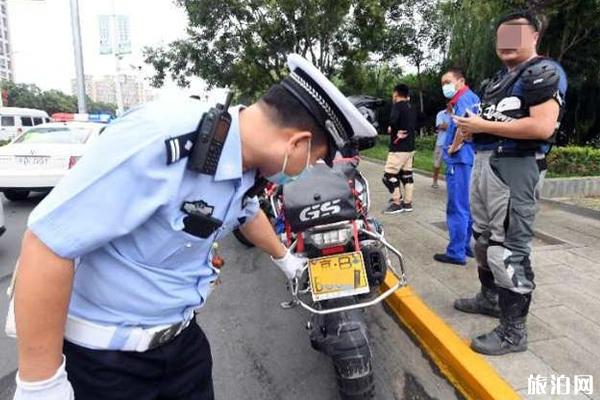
281,178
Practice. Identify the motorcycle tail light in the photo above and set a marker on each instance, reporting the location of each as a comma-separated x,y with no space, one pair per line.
331,238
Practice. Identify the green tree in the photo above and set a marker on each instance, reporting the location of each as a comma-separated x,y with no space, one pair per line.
571,37
243,44
52,101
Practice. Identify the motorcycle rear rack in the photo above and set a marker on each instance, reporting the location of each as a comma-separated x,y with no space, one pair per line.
400,275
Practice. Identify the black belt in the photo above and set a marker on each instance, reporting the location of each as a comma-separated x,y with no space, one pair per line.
542,164
500,152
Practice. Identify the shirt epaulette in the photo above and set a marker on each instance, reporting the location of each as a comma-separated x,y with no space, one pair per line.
179,147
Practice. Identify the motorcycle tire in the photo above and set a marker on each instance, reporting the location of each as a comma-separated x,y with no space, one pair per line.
351,388
242,239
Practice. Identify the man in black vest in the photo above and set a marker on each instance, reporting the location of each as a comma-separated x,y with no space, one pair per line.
520,112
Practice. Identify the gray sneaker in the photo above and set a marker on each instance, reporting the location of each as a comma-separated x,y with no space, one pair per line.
394,208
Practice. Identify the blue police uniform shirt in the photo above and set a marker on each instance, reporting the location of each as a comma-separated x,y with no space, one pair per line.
517,91
442,118
468,101
118,215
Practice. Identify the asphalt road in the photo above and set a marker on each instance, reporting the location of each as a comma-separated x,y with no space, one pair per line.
260,351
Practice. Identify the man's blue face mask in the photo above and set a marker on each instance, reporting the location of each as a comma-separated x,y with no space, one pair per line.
281,178
449,90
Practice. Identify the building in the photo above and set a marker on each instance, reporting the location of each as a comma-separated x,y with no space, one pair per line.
6,67
134,90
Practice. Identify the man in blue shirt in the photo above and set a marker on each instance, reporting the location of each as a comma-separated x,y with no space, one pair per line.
520,113
120,256
442,122
458,156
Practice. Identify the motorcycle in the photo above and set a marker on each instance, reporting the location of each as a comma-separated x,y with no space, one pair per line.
325,218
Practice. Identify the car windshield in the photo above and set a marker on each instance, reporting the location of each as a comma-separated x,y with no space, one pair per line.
55,134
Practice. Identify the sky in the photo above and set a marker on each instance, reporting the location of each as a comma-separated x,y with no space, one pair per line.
42,42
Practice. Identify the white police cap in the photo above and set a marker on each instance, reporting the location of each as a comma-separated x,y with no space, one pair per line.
331,109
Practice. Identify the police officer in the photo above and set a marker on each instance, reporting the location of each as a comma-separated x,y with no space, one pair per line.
119,257
521,108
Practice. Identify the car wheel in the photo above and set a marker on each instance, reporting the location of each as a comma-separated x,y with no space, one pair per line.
16,195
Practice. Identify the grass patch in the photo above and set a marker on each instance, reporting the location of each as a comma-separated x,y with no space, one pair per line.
423,155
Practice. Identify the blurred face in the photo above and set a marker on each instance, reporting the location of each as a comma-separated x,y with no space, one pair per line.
395,97
516,42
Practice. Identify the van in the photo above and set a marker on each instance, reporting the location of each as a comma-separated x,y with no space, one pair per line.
15,120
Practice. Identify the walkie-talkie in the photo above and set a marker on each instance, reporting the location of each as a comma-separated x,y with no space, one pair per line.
211,135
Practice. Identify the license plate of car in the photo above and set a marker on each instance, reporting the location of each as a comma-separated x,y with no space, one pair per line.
32,160
338,276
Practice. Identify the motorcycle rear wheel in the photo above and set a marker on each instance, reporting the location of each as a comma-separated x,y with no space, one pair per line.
356,388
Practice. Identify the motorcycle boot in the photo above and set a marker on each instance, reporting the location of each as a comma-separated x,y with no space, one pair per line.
511,335
486,301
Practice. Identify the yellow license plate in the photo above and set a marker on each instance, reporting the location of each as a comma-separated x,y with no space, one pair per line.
338,276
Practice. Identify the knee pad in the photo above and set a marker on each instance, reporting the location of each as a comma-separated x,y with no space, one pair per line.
390,181
406,177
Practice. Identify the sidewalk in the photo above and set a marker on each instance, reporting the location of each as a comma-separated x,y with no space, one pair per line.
564,322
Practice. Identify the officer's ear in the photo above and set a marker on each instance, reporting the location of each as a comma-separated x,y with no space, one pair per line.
297,145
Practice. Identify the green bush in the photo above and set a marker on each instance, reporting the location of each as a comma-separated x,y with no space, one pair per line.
562,161
574,161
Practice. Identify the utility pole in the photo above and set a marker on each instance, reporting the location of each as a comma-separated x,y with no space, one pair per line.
80,77
118,57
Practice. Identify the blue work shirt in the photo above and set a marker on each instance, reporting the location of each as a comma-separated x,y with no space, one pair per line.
467,101
118,215
442,118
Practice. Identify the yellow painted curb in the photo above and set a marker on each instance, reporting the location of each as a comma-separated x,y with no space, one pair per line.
468,371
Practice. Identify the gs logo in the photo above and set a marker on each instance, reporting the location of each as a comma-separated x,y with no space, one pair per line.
317,211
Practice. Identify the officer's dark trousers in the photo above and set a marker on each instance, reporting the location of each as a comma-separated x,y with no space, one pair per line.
180,369
505,191
458,214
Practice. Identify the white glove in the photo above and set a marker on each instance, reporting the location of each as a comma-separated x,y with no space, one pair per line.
290,264
56,387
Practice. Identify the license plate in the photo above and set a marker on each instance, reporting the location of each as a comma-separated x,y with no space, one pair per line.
32,160
338,276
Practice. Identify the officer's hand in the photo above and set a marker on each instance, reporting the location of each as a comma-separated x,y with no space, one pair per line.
470,125
56,387
290,264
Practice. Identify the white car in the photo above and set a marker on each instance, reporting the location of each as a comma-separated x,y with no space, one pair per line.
15,120
37,159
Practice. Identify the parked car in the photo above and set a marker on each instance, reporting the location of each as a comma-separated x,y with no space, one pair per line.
37,159
15,120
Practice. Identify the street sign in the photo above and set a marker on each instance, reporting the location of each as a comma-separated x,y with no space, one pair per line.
114,32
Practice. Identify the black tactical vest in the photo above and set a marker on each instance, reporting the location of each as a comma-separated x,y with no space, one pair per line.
539,82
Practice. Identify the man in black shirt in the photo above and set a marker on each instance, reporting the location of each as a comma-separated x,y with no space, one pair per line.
398,168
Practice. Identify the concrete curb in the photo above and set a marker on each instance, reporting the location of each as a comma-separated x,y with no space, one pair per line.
466,370
571,187
577,210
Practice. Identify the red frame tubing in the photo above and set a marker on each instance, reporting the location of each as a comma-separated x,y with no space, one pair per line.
355,230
